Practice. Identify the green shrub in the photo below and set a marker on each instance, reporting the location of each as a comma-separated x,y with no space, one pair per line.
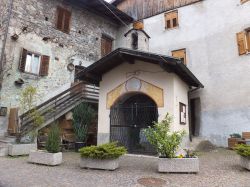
83,115
165,142
243,150
53,142
105,151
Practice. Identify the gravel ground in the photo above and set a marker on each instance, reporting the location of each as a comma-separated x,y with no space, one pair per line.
217,168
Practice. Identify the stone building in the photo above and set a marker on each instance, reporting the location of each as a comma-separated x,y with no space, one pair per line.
212,38
45,38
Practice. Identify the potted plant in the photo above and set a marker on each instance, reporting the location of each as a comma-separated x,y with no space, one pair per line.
167,144
52,156
83,115
25,144
233,140
244,152
105,156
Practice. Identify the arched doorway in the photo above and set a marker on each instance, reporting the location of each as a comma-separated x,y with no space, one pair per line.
129,116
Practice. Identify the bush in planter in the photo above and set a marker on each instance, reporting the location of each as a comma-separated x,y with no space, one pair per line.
83,115
165,142
105,156
53,142
243,150
105,151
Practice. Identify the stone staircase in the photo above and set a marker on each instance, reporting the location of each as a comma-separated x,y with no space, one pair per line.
51,110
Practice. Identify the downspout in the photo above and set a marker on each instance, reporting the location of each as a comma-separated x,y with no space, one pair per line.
6,34
189,109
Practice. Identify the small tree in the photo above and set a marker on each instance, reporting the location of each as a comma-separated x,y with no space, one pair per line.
27,104
53,142
83,115
165,142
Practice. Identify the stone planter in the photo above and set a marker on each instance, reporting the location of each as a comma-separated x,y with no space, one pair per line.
45,158
178,165
245,162
21,149
106,164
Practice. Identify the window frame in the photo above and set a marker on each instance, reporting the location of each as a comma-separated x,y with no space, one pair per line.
181,105
106,38
64,10
185,52
40,61
247,35
170,22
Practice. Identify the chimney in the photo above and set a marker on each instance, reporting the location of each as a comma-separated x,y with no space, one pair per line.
137,38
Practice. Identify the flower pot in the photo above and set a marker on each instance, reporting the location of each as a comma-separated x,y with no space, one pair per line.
21,149
45,158
245,162
79,145
105,164
178,165
232,142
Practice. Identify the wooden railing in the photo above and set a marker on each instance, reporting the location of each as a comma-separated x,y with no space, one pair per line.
58,105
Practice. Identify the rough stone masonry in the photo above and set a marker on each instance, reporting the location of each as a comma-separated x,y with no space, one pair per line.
34,22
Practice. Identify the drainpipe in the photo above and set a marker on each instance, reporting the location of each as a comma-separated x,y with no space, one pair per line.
6,34
189,109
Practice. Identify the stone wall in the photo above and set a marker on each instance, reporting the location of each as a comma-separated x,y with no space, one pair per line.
34,23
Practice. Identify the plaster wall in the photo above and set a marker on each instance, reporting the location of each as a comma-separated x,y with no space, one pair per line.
82,46
208,32
153,74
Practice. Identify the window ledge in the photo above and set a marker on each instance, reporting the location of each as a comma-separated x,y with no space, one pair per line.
175,28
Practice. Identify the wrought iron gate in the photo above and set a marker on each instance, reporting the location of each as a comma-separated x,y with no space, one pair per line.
127,125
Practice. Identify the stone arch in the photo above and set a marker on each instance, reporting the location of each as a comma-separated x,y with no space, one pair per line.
134,85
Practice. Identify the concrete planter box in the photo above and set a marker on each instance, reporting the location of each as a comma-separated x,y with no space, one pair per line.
45,158
4,150
106,164
245,162
21,149
178,165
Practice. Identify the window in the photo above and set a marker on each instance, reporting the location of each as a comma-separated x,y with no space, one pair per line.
135,40
181,54
34,63
63,20
183,114
171,19
106,45
243,41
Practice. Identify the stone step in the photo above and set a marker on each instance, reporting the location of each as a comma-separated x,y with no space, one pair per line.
8,139
4,149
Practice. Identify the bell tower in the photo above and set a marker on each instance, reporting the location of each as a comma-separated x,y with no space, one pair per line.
137,38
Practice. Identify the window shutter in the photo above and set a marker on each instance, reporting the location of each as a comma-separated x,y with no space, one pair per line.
67,18
59,24
44,67
22,62
106,45
181,54
103,47
241,40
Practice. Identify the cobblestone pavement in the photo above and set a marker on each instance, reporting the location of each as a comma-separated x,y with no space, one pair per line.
217,168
